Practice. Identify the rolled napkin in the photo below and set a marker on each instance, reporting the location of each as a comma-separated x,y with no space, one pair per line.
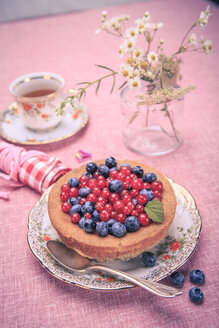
33,168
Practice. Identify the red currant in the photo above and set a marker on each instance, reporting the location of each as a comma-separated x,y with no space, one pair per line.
157,185
84,178
113,174
82,201
102,199
113,214
133,176
136,184
64,197
121,217
100,206
123,193
118,206
92,198
146,185
66,207
144,219
126,210
96,191
108,180
105,193
142,199
65,188
126,199
125,170
113,197
134,213
157,193
104,215
92,183
75,217
134,193
87,215
96,174
74,192
131,205
108,207
125,185
83,184
101,183
128,179
139,208
120,176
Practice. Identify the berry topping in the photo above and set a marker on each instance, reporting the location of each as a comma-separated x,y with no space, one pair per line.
110,200
132,223
111,162
196,295
115,186
149,259
177,279
119,229
197,277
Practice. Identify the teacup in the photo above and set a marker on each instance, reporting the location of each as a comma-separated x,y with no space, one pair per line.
37,96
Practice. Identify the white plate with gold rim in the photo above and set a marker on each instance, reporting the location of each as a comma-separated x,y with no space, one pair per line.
171,253
12,129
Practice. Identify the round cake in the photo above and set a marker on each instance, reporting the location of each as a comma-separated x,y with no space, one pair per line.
136,228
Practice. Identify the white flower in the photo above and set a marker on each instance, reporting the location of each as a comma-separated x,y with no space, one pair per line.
104,13
207,46
193,39
137,53
203,18
135,82
142,25
156,26
128,45
146,16
131,33
152,57
126,70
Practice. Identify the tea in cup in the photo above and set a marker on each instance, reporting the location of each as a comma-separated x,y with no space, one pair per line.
37,96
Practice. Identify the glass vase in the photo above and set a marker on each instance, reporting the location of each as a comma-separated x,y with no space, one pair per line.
150,130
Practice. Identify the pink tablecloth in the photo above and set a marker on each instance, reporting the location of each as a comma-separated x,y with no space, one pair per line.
67,45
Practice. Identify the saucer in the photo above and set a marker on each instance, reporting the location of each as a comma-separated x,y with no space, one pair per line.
12,129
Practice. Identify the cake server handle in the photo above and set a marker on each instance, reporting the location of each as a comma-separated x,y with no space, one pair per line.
153,287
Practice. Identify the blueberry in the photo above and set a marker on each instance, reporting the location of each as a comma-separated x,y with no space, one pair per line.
197,277
84,192
87,207
149,259
119,229
103,170
72,201
73,182
147,192
115,186
138,171
114,169
126,164
110,162
89,225
110,223
102,229
134,200
149,177
75,209
196,295
81,222
132,223
91,167
95,216
177,279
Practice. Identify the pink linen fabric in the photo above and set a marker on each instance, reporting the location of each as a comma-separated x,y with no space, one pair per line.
67,45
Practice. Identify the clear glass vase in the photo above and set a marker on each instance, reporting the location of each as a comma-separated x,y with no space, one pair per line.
150,130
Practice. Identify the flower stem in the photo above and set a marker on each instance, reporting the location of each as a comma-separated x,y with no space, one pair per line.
171,122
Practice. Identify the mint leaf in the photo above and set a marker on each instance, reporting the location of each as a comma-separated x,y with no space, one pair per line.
154,210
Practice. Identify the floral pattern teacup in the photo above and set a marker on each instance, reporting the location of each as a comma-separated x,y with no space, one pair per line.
37,96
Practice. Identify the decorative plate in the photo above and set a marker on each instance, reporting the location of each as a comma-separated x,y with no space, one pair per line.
172,252
12,129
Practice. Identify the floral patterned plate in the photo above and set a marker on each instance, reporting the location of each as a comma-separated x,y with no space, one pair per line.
171,253
12,129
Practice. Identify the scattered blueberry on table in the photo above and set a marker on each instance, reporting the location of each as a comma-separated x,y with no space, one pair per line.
196,295
197,277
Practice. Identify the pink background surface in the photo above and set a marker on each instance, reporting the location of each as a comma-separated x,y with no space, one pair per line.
66,44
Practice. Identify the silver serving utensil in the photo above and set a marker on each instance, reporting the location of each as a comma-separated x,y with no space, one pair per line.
71,260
